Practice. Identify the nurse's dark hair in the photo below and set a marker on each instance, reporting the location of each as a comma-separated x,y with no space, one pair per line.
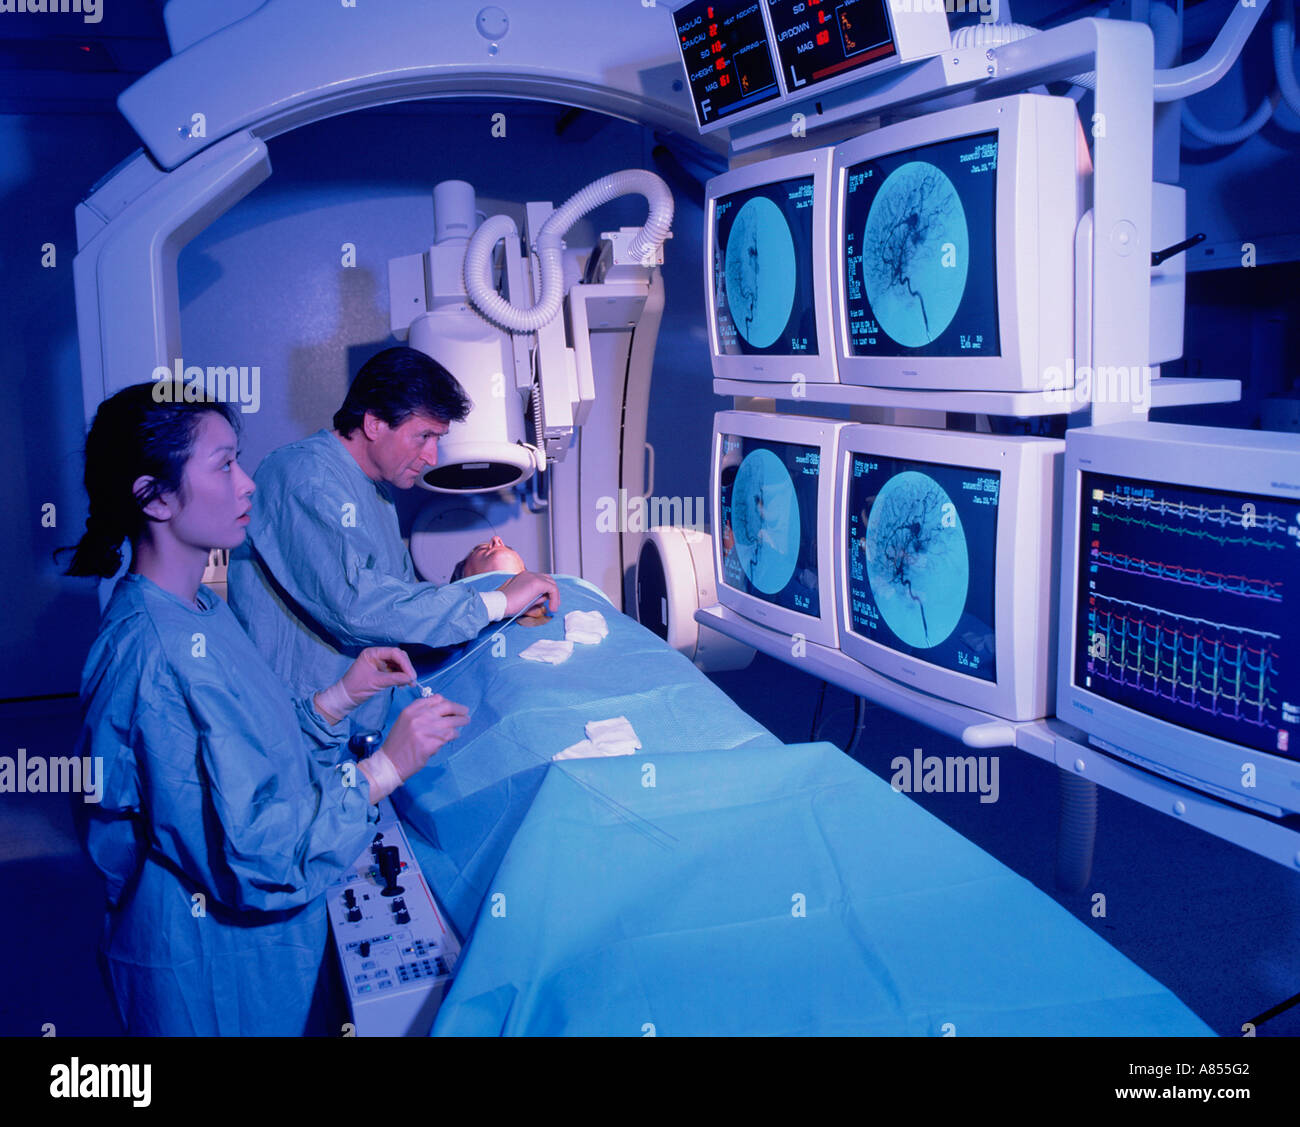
133,436
397,383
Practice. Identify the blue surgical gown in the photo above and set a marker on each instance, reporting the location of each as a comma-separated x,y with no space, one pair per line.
227,810
324,572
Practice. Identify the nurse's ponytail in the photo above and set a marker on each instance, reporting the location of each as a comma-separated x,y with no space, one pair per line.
134,435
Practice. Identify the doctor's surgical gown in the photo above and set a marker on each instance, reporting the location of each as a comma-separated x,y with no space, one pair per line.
227,811
324,573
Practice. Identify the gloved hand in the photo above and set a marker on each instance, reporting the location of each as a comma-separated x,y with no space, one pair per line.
423,727
534,616
527,588
375,669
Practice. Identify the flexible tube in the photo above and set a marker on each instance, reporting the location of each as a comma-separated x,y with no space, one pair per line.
990,35
1284,57
478,278
1283,36
1212,136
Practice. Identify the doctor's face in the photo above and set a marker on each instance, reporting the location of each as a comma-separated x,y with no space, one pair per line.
403,453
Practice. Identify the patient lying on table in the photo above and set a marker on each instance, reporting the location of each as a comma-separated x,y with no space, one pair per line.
496,555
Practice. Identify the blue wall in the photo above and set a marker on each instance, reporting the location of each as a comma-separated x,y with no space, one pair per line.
47,165
265,286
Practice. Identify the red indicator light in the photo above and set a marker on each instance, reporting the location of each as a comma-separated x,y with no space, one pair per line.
710,13
720,64
821,17
823,37
725,80
716,48
713,30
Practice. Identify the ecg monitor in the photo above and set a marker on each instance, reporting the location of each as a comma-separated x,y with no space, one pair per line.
944,542
772,495
1180,605
767,271
728,58
953,244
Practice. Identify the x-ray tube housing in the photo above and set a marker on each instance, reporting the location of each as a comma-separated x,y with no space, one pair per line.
487,451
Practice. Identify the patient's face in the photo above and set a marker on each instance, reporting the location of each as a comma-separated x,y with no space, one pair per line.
493,555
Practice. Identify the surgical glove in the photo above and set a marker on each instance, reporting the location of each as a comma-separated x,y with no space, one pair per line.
527,588
548,650
534,616
376,668
586,627
423,727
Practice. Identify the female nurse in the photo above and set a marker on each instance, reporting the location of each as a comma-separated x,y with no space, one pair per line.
228,808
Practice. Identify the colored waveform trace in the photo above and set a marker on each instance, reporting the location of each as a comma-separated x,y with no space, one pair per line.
1222,516
1266,589
1190,657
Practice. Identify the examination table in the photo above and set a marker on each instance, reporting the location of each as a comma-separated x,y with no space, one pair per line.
718,881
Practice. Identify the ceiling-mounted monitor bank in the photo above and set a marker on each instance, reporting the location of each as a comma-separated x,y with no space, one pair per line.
744,58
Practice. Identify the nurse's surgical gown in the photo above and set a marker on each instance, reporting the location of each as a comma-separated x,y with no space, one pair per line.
228,809
324,572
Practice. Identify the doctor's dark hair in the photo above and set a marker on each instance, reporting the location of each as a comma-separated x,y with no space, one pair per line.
133,436
397,383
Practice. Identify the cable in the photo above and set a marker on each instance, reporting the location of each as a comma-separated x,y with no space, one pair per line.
642,825
812,728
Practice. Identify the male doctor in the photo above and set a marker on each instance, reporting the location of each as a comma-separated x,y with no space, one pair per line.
323,572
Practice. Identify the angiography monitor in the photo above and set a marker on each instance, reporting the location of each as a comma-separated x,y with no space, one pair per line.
772,495
1180,588
954,247
767,270
946,558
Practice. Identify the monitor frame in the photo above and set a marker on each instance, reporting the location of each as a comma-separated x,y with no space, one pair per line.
1042,155
918,31
777,368
802,430
767,105
1258,463
1024,582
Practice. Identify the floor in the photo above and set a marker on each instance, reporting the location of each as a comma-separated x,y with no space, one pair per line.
1215,924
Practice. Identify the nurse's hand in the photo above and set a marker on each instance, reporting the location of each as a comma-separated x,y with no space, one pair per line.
375,669
423,727
527,588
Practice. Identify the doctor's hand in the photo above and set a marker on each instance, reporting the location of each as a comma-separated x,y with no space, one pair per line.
527,588
376,668
423,727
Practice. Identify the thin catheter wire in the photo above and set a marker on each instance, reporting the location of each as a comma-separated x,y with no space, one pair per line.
633,818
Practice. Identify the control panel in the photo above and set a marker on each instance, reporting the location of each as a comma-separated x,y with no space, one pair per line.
396,949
